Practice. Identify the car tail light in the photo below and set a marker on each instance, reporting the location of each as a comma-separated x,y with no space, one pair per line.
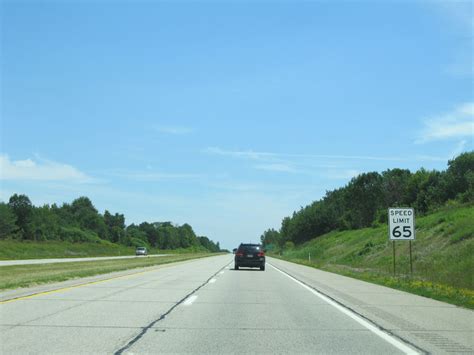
239,253
261,254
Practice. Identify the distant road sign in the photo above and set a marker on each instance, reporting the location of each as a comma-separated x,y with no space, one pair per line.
401,223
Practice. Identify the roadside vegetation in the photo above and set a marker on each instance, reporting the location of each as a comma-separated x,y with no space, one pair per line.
16,276
78,229
346,231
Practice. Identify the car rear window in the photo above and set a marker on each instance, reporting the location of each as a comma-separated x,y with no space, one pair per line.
250,248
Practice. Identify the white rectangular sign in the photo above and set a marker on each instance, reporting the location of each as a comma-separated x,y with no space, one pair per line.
401,223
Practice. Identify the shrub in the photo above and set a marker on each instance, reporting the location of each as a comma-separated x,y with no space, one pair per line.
75,234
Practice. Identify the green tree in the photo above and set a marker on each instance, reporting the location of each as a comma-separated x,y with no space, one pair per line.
23,210
136,237
270,237
151,233
8,225
45,224
86,215
187,237
115,226
457,178
363,199
394,187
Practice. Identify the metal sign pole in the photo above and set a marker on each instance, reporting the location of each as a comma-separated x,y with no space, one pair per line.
411,261
393,243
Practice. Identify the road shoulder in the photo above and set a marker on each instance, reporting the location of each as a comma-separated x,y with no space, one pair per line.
432,325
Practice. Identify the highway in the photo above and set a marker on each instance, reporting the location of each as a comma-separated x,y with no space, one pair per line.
204,306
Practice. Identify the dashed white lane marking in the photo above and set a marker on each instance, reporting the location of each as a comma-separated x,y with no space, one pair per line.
221,272
189,301
211,281
387,337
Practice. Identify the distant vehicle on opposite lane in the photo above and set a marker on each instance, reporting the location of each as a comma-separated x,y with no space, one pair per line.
141,251
250,255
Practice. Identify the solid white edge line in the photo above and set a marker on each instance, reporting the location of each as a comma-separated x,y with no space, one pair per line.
189,301
387,337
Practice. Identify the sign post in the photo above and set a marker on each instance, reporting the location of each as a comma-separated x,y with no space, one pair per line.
401,226
393,245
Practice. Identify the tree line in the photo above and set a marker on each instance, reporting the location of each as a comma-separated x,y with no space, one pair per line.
80,221
364,201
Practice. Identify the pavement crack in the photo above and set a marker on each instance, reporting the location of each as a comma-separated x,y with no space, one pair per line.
163,316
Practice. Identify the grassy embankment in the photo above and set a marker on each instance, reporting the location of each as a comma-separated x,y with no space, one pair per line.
30,275
16,250
443,256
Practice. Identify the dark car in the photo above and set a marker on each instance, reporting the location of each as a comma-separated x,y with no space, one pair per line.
250,255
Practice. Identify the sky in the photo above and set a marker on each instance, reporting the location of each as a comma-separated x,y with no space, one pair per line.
227,115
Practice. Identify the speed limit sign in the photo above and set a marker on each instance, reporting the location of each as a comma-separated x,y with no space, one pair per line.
401,223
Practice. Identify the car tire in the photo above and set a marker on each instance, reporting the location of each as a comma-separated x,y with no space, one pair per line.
236,267
262,268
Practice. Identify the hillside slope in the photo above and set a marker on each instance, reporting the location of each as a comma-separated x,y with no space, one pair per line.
442,255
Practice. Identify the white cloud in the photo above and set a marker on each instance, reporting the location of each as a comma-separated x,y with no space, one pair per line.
175,130
276,167
456,124
157,176
39,169
250,154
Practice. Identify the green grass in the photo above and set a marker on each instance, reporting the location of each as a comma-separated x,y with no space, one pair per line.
16,250
30,275
443,251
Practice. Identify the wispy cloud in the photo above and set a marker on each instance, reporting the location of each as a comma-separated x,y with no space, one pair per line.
247,154
40,169
154,175
456,124
277,167
250,154
174,130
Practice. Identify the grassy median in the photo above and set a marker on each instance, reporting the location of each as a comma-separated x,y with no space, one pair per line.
16,276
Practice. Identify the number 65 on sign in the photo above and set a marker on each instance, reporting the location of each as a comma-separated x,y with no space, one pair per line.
401,223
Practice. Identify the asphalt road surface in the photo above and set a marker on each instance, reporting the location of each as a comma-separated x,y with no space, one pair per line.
204,306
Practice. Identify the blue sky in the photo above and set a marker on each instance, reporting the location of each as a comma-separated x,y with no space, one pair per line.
227,115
